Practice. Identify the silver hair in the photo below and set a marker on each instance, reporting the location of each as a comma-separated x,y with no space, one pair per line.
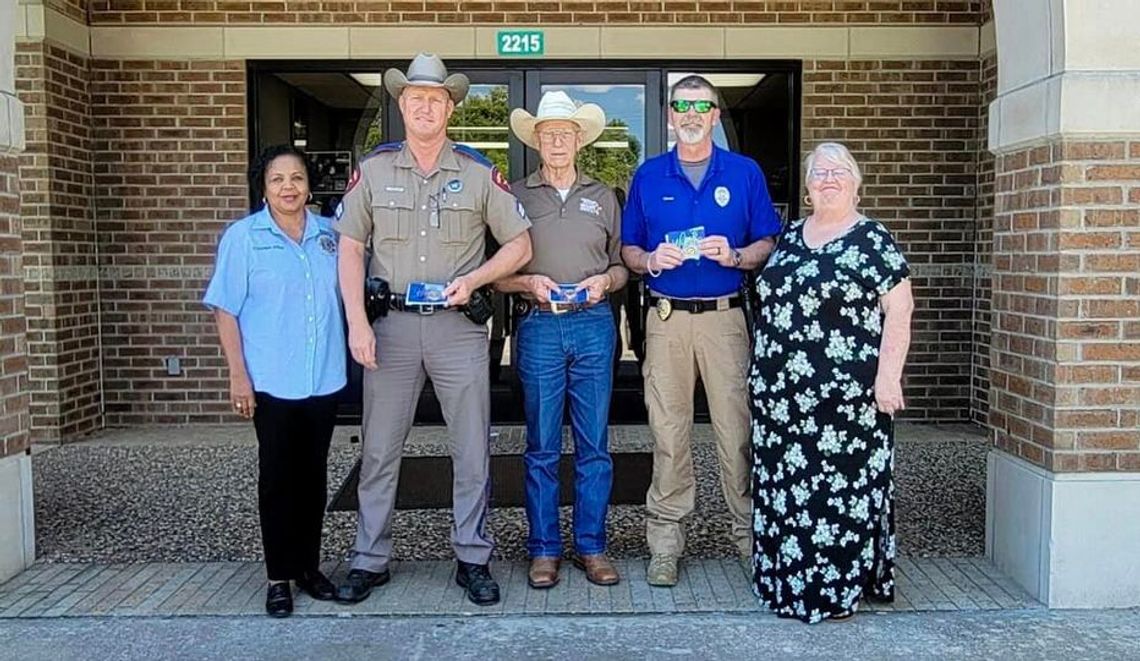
693,82
838,153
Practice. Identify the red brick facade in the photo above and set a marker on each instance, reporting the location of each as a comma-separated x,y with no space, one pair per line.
60,269
166,146
13,352
1066,305
914,128
983,253
700,12
171,140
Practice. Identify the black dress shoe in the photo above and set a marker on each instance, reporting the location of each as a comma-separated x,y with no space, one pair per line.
359,583
279,600
316,585
482,590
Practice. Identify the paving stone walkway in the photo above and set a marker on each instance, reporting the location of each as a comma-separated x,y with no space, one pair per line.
428,588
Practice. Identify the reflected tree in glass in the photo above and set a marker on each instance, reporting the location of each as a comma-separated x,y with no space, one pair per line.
481,122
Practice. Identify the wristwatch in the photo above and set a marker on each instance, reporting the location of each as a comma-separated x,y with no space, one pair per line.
737,258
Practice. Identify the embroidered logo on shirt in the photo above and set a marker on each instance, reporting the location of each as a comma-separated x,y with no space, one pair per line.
522,210
666,198
353,180
454,186
499,180
339,209
590,206
721,196
327,244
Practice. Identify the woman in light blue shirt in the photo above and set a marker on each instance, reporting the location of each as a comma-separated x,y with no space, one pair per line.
277,304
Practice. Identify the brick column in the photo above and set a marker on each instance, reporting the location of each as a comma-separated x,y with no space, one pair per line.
61,282
1064,480
17,540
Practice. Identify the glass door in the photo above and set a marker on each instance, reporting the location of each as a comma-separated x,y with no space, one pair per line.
632,100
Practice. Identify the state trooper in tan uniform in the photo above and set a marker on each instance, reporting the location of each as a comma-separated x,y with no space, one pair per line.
425,204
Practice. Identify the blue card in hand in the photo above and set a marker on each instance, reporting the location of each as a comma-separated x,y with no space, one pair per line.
566,294
424,293
689,241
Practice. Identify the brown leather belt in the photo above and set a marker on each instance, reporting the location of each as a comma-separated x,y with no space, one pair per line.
525,305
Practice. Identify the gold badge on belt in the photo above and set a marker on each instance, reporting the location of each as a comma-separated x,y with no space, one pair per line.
664,308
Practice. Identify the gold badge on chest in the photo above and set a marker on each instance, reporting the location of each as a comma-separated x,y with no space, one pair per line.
664,308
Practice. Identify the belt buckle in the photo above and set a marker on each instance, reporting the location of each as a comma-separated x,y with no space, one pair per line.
722,304
426,310
556,308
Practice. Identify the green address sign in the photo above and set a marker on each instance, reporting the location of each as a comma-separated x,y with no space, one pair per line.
520,43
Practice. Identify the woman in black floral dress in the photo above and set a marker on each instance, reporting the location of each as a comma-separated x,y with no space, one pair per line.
832,332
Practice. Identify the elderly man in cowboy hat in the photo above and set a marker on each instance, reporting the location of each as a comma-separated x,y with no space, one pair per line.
426,205
566,335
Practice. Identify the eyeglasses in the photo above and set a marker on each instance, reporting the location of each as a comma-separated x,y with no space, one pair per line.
824,173
556,135
683,105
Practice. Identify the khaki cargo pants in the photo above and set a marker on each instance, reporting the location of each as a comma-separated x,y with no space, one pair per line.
714,346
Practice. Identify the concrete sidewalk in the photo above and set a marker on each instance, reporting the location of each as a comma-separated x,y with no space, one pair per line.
1007,635
428,588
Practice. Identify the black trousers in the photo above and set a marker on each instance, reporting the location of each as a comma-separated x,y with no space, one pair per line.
293,438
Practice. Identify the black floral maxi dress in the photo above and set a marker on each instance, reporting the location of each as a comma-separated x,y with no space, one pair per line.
823,518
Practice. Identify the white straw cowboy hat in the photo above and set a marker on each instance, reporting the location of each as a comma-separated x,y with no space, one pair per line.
427,70
589,117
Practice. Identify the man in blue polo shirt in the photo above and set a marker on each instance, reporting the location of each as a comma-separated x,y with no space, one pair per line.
696,325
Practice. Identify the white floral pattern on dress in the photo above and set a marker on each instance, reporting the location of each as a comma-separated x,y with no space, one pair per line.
823,517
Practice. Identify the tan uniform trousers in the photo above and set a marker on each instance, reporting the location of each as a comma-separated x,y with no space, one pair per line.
450,350
714,346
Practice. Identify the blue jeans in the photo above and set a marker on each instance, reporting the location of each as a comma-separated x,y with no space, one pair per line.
559,355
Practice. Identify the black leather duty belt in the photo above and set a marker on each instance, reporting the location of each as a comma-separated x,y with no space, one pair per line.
698,305
396,302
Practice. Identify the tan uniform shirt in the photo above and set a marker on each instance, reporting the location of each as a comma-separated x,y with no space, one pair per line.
575,239
428,227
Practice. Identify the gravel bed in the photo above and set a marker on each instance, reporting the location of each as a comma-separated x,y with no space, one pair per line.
189,494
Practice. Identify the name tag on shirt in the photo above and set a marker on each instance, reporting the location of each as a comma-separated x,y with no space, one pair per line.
586,205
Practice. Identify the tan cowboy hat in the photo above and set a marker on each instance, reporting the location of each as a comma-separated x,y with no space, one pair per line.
427,70
589,117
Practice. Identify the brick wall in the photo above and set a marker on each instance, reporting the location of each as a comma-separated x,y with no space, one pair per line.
669,11
60,283
914,129
13,361
1066,307
983,251
170,143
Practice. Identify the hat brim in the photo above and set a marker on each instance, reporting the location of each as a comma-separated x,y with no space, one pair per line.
456,84
589,117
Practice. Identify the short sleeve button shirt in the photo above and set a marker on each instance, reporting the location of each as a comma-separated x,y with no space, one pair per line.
732,201
286,299
428,227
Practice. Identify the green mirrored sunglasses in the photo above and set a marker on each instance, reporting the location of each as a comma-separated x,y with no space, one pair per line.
683,105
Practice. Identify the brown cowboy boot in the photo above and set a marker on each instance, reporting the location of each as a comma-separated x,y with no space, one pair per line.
543,573
599,570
